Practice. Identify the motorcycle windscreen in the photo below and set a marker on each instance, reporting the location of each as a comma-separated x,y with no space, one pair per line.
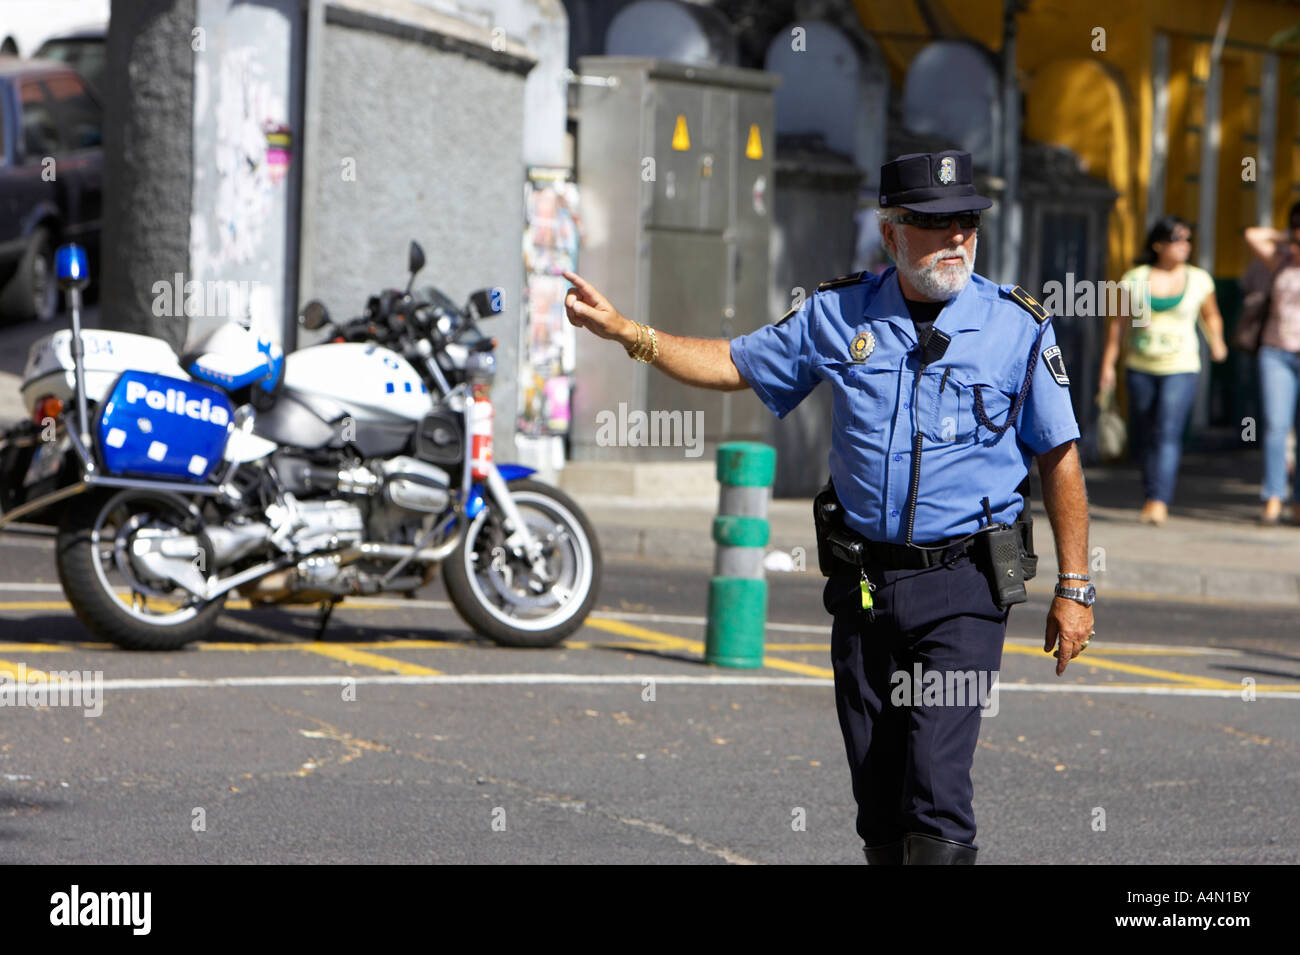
166,428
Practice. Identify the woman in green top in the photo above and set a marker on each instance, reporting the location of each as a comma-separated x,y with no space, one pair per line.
1163,355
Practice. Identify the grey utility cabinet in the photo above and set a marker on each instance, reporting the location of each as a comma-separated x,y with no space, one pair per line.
675,168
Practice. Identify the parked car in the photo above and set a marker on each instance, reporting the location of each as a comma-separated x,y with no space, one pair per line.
85,50
51,180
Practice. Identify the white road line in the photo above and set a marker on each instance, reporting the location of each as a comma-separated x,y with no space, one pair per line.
641,679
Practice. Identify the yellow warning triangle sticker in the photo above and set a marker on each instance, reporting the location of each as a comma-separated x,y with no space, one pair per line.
681,138
754,148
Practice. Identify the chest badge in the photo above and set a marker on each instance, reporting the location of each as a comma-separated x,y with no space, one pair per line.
863,344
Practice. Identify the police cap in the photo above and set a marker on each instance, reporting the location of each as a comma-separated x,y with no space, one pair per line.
931,182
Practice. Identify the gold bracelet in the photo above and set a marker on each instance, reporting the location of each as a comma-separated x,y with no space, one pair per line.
640,337
646,349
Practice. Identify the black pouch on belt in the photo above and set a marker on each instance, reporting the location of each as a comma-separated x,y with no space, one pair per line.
998,555
826,518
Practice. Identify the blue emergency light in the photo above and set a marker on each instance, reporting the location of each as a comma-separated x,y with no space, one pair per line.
70,266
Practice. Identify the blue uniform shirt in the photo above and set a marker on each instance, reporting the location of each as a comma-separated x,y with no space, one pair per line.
879,404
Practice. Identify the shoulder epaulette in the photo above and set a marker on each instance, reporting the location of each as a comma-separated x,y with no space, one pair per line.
1029,304
842,281
787,315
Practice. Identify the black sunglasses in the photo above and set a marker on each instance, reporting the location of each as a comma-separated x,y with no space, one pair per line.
939,220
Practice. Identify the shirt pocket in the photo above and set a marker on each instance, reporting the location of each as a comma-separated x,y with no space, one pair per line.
958,420
869,395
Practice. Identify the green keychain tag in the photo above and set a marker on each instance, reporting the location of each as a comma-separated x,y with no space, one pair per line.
865,586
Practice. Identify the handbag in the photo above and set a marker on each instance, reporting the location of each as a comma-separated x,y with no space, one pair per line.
1250,326
1254,315
1112,432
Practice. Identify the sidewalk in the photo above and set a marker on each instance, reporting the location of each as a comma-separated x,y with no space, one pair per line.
1211,546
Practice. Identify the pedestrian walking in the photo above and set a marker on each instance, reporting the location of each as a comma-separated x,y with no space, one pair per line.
1279,358
1163,355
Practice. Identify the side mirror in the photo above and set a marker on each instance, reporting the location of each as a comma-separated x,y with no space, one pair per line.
415,258
314,315
487,302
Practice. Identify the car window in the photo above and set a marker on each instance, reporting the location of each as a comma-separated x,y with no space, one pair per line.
87,57
40,134
76,111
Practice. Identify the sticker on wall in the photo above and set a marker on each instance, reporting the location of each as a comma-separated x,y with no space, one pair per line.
681,137
754,148
279,148
760,196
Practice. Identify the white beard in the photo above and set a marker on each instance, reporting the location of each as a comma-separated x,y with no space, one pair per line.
936,281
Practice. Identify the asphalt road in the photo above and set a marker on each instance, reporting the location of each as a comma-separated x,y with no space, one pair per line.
249,749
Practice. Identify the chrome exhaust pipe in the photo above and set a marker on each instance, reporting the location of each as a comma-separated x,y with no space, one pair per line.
404,551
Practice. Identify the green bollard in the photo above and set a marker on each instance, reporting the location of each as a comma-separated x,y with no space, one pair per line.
738,590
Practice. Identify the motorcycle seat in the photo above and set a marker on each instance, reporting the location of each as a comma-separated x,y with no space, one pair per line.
232,358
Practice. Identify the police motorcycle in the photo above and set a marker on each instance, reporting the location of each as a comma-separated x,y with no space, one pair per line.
350,467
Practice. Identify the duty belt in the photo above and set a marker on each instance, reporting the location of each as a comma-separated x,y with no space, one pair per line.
852,548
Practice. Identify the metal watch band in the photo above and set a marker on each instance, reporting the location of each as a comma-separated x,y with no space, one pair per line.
1072,577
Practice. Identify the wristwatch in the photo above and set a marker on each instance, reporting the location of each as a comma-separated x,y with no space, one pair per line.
1084,595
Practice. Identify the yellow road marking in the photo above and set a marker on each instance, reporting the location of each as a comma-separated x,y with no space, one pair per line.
1092,651
11,670
1137,651
1201,682
357,653
336,651
668,642
1261,687
353,645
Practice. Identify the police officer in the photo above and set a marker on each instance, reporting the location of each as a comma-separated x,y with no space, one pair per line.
945,385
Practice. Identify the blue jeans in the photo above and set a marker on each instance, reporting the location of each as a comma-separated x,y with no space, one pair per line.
1279,385
1158,409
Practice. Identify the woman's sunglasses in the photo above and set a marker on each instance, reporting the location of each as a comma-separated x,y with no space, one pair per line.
939,220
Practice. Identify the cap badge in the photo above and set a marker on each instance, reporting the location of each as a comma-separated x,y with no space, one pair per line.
863,344
947,170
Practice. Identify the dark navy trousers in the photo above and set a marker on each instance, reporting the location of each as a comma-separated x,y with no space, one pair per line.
911,759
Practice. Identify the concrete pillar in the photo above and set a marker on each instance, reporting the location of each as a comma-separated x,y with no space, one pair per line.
148,162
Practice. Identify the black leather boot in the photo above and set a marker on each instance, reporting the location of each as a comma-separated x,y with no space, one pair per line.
920,849
889,854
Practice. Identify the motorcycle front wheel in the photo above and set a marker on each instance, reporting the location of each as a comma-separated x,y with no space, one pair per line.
502,596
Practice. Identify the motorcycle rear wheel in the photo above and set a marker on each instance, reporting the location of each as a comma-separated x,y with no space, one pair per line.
498,594
92,554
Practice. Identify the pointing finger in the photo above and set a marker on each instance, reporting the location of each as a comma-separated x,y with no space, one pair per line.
584,287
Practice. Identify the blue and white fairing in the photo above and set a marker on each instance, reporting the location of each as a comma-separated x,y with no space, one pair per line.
161,427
